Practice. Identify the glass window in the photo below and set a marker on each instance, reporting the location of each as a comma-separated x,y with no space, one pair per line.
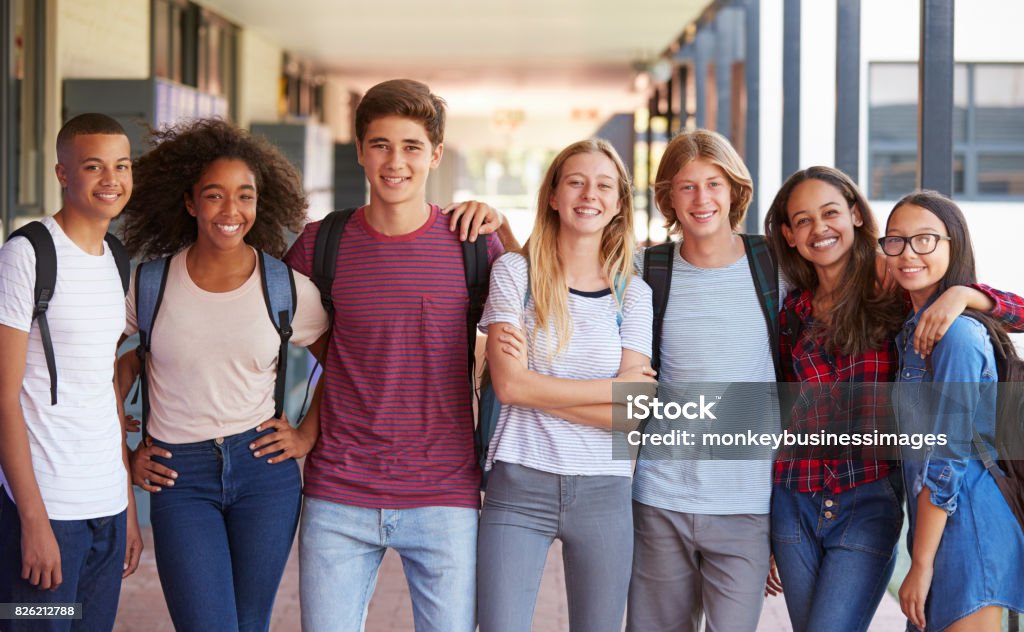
1001,175
999,103
26,100
892,102
892,175
988,129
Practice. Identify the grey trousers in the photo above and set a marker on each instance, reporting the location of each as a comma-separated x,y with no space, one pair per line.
524,511
686,565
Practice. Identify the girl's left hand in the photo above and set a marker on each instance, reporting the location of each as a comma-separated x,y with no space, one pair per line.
914,592
513,343
935,320
472,218
291,442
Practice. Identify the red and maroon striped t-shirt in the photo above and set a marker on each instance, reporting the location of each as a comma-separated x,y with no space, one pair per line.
396,418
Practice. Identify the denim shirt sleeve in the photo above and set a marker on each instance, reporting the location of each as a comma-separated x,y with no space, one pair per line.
960,363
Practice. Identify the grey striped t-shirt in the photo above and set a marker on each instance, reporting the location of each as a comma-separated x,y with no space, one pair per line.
532,438
714,331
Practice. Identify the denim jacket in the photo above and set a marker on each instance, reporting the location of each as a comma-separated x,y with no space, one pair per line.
963,362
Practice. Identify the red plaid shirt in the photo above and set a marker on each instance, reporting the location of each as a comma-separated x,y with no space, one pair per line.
845,394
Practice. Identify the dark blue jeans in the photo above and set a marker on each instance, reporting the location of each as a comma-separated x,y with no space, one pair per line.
91,563
836,552
223,532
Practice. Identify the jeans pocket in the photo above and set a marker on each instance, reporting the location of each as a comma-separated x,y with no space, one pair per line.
876,517
785,516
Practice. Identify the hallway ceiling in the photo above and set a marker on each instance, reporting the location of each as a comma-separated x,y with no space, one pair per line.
540,56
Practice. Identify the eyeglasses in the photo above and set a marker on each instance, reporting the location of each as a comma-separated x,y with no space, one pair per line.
923,244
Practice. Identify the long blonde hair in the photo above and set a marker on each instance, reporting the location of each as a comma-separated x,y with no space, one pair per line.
548,286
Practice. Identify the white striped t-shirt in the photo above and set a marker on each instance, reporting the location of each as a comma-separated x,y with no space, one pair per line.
529,437
75,445
714,332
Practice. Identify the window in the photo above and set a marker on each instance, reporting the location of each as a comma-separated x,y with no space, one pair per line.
988,130
22,97
194,47
304,88
173,26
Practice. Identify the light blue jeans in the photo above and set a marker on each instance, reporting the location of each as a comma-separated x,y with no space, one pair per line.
341,548
524,511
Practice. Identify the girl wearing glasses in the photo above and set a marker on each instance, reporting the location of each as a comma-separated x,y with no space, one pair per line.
958,579
836,512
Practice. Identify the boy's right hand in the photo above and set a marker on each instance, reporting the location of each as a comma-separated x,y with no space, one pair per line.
147,473
40,556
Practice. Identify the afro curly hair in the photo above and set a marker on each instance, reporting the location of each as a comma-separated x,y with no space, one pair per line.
156,222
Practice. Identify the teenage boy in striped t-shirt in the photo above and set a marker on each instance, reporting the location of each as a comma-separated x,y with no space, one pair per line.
68,529
395,465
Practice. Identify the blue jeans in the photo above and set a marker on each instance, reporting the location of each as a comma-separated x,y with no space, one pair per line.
91,563
836,552
524,511
223,532
341,548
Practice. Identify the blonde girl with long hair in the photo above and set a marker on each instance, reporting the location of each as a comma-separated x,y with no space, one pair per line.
566,318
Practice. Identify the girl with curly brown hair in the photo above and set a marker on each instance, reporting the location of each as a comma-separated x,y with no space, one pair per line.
221,468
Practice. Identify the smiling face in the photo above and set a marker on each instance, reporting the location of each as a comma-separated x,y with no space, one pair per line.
586,197
918,274
701,198
822,225
397,156
95,171
223,201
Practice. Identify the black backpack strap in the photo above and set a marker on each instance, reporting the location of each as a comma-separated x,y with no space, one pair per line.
325,255
150,282
658,275
477,267
121,258
765,272
46,282
279,294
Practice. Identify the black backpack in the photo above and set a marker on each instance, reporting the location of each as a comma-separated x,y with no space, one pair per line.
46,282
765,271
477,268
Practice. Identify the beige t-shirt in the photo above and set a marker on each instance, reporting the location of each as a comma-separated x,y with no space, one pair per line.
213,359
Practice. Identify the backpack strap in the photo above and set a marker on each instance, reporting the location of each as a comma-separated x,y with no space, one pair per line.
765,272
325,255
46,282
621,280
150,281
279,294
121,258
658,275
477,266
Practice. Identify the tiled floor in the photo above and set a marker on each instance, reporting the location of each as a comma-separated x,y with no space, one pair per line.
143,609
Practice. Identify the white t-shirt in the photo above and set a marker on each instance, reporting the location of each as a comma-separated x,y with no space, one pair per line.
76,444
213,360
530,437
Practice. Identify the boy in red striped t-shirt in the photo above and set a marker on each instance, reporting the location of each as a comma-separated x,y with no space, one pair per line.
395,465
